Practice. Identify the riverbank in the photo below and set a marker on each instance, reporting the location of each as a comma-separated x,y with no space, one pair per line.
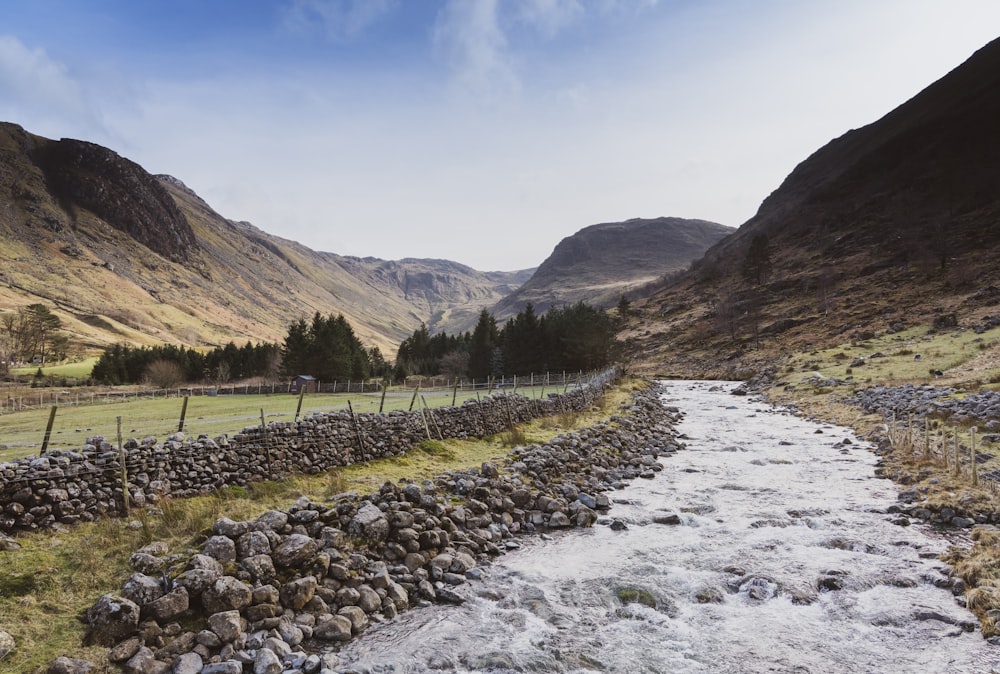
365,540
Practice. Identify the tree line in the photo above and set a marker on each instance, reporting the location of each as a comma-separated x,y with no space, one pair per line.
168,365
576,337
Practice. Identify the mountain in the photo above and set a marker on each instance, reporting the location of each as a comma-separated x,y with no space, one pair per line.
602,262
123,255
890,225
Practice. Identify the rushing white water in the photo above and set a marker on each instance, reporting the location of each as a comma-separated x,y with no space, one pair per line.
783,560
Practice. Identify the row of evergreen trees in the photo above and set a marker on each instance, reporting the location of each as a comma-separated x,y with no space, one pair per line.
577,337
328,349
124,364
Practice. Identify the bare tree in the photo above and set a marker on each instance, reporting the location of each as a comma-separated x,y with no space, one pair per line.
164,374
725,314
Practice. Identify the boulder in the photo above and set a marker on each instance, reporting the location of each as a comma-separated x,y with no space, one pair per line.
64,665
111,619
169,607
226,594
297,593
295,550
336,628
228,625
370,523
144,662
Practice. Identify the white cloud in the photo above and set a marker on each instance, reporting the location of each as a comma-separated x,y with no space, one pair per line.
549,17
469,35
37,91
338,19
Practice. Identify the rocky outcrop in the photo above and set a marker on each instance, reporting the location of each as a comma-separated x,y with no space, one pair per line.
118,191
272,593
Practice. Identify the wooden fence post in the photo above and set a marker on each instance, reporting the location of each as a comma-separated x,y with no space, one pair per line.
972,452
48,429
126,497
298,408
184,409
436,427
267,445
414,398
385,387
357,430
955,430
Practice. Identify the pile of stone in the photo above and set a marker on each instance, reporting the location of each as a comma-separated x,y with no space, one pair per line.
944,402
71,486
279,593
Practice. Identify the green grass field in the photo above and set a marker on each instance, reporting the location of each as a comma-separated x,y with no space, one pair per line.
78,370
22,432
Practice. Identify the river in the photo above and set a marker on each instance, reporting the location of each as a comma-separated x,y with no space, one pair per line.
764,546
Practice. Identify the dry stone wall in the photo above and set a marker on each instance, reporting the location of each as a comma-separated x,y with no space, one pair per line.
71,486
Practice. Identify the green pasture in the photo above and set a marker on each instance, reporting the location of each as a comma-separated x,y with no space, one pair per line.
910,356
22,432
76,370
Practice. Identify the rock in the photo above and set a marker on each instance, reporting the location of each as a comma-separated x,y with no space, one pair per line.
558,519
670,519
7,644
228,625
188,663
64,665
221,548
226,594
297,593
297,549
337,628
260,567
8,544
143,589
168,607
368,601
358,618
266,662
144,662
111,619
370,522
125,650
227,667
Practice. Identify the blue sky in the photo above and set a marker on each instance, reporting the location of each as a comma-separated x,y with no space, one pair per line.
480,131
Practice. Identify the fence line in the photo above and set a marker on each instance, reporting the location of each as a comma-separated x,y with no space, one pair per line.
107,477
45,397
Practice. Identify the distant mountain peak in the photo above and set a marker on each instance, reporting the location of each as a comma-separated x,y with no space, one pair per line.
601,262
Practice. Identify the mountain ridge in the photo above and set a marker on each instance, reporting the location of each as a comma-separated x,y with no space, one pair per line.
602,262
892,224
206,280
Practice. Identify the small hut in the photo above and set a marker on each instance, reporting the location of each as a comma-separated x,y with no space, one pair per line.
304,384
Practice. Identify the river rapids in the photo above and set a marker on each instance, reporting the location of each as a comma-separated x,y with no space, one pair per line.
763,546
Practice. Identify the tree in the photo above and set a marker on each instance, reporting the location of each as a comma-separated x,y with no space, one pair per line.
164,374
624,307
484,340
757,264
724,314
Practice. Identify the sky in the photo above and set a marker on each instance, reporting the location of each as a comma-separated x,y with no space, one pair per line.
478,131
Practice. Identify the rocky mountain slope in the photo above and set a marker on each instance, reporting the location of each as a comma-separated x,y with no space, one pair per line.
890,225
126,256
600,263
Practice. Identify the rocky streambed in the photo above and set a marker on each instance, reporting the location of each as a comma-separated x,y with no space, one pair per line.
283,592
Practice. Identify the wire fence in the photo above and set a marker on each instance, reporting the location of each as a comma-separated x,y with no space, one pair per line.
949,446
66,419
